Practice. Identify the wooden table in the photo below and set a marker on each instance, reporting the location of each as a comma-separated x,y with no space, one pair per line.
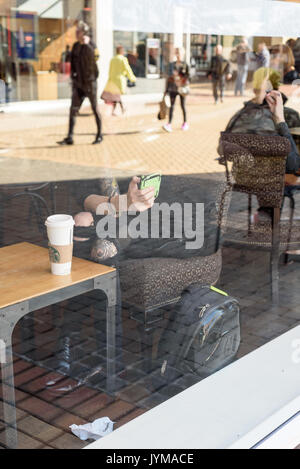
27,285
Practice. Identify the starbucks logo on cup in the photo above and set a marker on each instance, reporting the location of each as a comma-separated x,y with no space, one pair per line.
54,255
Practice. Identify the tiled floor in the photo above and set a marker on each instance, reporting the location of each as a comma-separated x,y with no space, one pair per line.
133,144
45,412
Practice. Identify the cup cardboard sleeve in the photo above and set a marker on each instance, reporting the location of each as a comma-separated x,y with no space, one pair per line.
60,254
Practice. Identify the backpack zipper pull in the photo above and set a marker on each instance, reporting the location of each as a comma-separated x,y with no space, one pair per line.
202,311
164,367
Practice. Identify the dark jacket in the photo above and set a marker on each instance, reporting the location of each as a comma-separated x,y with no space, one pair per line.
219,67
84,70
257,119
183,73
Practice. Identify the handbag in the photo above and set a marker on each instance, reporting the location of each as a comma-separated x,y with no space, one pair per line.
163,108
184,90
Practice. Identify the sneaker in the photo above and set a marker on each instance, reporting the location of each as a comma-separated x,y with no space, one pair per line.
185,126
98,139
167,127
66,141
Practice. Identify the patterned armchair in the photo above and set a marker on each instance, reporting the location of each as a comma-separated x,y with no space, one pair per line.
255,165
149,283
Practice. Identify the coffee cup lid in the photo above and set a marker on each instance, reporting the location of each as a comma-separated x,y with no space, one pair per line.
61,220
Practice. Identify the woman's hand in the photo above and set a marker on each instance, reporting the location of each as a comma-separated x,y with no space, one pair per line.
139,200
135,199
275,103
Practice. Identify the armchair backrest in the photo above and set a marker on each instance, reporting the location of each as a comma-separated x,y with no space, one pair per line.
258,165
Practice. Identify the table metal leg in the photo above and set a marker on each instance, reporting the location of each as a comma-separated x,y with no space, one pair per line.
249,213
8,393
8,319
275,254
111,347
109,284
292,212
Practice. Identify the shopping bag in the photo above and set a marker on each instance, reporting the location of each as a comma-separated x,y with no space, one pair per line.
163,108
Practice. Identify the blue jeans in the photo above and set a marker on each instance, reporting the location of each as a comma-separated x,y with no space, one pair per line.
241,80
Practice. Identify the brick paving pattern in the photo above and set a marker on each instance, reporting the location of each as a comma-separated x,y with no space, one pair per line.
134,144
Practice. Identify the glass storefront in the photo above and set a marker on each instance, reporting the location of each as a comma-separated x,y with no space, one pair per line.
36,39
35,43
190,161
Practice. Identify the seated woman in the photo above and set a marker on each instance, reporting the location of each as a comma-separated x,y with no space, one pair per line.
86,243
266,114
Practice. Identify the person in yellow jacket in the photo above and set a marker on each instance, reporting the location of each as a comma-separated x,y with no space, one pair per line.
116,86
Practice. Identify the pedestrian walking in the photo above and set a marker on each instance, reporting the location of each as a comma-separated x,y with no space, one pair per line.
263,56
177,85
242,52
218,73
119,72
84,74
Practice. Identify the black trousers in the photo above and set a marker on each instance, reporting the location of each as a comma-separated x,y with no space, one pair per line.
173,97
218,85
78,96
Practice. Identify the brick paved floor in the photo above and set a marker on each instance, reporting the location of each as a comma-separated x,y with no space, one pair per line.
45,412
134,144
48,341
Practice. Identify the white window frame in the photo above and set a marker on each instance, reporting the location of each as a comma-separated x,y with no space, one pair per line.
254,402
287,436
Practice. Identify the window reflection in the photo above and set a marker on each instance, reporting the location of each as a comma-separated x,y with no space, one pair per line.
176,162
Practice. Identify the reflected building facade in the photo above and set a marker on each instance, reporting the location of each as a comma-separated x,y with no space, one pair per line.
36,37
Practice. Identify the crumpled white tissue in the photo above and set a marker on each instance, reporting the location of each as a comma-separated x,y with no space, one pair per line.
93,431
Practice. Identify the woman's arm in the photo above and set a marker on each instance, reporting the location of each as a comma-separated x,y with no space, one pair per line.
92,201
128,71
275,102
293,159
139,200
167,86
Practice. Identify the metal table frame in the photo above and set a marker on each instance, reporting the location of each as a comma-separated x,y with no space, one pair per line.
10,316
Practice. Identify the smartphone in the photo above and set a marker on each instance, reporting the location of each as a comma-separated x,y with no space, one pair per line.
153,180
267,92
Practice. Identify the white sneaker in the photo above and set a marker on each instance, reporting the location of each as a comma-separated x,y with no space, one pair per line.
167,127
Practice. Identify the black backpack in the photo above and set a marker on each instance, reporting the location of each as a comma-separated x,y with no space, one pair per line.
202,335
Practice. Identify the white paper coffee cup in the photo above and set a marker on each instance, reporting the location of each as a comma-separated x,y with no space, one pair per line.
60,235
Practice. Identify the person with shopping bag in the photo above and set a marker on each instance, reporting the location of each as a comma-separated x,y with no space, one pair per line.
164,107
177,85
